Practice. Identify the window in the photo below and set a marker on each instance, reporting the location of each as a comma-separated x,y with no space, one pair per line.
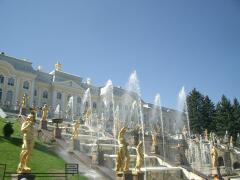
0,94
11,81
1,79
94,105
35,92
111,105
9,97
45,94
26,85
59,96
79,100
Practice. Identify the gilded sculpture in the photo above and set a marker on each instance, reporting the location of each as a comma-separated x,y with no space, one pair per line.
23,104
87,115
140,157
75,129
27,130
123,158
154,143
214,155
45,111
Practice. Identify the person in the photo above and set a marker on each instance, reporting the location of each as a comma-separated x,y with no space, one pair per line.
27,129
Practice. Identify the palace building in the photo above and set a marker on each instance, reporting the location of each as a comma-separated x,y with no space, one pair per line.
55,88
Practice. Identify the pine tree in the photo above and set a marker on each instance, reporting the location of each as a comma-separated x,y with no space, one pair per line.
195,106
224,116
235,127
208,113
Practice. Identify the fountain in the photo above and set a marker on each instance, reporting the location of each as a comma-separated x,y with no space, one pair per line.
69,109
158,110
87,107
56,120
100,142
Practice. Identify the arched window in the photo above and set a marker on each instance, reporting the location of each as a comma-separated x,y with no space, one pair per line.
59,95
220,161
45,94
111,105
236,165
35,92
26,85
11,81
9,97
0,94
79,100
1,79
94,105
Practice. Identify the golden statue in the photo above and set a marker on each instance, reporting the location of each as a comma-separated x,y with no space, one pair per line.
76,126
24,101
23,104
28,143
123,158
154,139
87,115
140,157
45,111
214,155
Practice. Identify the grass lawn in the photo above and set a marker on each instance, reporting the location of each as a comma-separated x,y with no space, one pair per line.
42,159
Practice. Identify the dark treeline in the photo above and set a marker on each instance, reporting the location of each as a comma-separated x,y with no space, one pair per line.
219,118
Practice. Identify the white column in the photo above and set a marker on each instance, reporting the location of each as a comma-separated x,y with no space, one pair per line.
74,104
54,98
63,103
17,90
32,92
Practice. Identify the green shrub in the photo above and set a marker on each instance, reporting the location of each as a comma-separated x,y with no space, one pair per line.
8,130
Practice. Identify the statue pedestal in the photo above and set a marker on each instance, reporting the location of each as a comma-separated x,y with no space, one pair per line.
27,176
43,124
124,175
57,133
138,176
76,144
214,171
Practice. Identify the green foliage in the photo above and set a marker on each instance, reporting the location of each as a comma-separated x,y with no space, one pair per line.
8,130
204,115
195,107
43,158
208,114
224,116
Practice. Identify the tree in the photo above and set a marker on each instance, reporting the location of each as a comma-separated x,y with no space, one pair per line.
224,116
8,130
195,107
208,113
235,126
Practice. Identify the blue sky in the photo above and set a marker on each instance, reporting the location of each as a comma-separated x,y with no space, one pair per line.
171,43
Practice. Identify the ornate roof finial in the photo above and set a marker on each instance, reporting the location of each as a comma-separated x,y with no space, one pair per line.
58,66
